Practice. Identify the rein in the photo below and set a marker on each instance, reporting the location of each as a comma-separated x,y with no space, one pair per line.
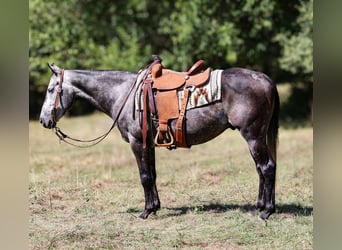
62,136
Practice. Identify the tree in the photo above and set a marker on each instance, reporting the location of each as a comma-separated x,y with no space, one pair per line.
266,35
297,46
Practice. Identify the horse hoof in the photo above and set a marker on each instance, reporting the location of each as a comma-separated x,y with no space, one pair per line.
144,215
266,214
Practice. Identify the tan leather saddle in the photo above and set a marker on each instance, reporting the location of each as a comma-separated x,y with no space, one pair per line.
161,90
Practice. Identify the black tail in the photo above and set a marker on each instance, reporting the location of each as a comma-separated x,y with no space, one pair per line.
272,133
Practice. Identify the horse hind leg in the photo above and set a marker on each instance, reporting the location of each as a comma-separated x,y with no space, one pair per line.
261,195
269,172
266,169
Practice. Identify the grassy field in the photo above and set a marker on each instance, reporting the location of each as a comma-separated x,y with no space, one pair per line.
90,198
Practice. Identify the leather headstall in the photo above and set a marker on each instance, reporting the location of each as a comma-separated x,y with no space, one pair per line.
58,96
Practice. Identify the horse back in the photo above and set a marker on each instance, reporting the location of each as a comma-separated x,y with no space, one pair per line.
245,81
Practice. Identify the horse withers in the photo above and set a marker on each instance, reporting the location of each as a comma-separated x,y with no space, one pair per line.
249,102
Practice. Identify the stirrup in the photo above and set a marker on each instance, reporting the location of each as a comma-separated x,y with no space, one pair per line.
164,143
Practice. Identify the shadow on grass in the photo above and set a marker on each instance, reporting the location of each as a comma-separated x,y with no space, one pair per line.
293,209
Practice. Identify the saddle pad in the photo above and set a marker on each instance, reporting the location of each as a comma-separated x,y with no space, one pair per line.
204,95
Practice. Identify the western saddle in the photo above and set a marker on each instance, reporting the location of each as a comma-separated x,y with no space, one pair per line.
161,90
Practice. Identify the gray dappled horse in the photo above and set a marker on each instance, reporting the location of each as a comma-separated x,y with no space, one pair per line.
250,103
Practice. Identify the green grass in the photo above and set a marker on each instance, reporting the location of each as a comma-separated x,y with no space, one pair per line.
90,198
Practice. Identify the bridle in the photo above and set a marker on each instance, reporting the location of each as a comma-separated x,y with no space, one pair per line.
64,137
58,97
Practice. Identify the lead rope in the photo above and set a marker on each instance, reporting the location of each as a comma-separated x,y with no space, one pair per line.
62,136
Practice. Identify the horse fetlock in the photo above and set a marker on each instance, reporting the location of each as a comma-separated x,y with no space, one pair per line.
156,204
152,203
260,205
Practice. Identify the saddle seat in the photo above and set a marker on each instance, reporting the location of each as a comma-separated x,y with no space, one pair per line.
166,79
166,84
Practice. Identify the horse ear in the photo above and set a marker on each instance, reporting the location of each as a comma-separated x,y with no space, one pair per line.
54,68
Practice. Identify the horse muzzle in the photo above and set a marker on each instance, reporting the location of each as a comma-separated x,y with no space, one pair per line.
47,124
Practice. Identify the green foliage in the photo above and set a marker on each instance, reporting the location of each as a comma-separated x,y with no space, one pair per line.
267,35
199,29
298,47
57,35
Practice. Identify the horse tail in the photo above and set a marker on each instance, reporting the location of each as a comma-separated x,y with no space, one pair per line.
272,132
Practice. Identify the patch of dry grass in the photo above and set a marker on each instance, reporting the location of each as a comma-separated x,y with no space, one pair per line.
90,198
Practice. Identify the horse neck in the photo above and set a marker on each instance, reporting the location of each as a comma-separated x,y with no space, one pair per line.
101,88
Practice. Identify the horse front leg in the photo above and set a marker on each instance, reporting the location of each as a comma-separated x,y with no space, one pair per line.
147,170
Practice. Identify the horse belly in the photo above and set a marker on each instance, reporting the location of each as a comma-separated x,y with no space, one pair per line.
204,124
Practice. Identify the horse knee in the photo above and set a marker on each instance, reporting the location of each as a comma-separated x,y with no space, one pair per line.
268,170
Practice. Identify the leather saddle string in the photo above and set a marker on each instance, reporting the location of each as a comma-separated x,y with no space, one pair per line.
148,101
179,133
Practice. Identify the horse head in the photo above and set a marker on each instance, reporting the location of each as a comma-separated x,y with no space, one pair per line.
58,98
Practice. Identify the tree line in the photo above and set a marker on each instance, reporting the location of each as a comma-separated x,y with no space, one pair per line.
271,36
